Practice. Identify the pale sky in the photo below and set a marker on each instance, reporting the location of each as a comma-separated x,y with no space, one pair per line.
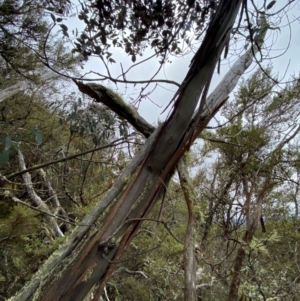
287,63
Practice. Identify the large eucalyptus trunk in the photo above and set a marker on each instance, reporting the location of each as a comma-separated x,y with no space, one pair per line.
94,249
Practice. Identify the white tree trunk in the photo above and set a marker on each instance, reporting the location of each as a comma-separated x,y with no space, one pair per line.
25,84
51,222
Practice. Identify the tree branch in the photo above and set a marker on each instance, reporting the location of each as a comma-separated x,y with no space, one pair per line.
114,143
112,100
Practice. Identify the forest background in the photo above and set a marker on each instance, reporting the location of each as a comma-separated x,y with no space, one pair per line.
98,202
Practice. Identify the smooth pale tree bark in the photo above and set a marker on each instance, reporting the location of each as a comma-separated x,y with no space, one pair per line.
58,209
93,251
190,289
35,198
46,75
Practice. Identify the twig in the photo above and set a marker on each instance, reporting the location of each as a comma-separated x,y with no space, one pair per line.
132,272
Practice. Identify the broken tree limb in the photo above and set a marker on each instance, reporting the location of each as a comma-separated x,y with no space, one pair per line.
103,95
106,96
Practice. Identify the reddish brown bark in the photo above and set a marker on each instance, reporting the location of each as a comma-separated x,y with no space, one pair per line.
93,260
236,277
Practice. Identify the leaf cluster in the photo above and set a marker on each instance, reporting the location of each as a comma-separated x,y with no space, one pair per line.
132,25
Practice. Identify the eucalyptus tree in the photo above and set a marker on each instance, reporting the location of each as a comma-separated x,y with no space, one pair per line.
255,163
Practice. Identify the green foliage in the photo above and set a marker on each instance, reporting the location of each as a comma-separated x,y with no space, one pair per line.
20,23
123,289
19,230
246,150
6,206
256,162
94,121
130,27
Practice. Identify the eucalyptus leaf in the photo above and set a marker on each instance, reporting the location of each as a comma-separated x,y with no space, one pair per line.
8,142
4,157
53,18
39,136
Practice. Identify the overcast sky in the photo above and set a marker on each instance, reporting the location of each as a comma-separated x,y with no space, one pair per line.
284,56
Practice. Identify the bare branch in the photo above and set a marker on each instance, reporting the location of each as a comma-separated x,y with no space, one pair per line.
114,143
122,269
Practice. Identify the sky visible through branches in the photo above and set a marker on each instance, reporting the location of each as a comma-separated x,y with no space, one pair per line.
281,49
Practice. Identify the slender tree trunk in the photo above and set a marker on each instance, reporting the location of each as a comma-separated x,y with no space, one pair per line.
236,278
50,220
190,291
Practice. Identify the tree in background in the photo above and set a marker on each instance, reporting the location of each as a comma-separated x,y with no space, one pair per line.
252,147
40,126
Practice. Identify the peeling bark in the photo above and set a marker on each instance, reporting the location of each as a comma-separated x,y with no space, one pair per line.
92,256
91,264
